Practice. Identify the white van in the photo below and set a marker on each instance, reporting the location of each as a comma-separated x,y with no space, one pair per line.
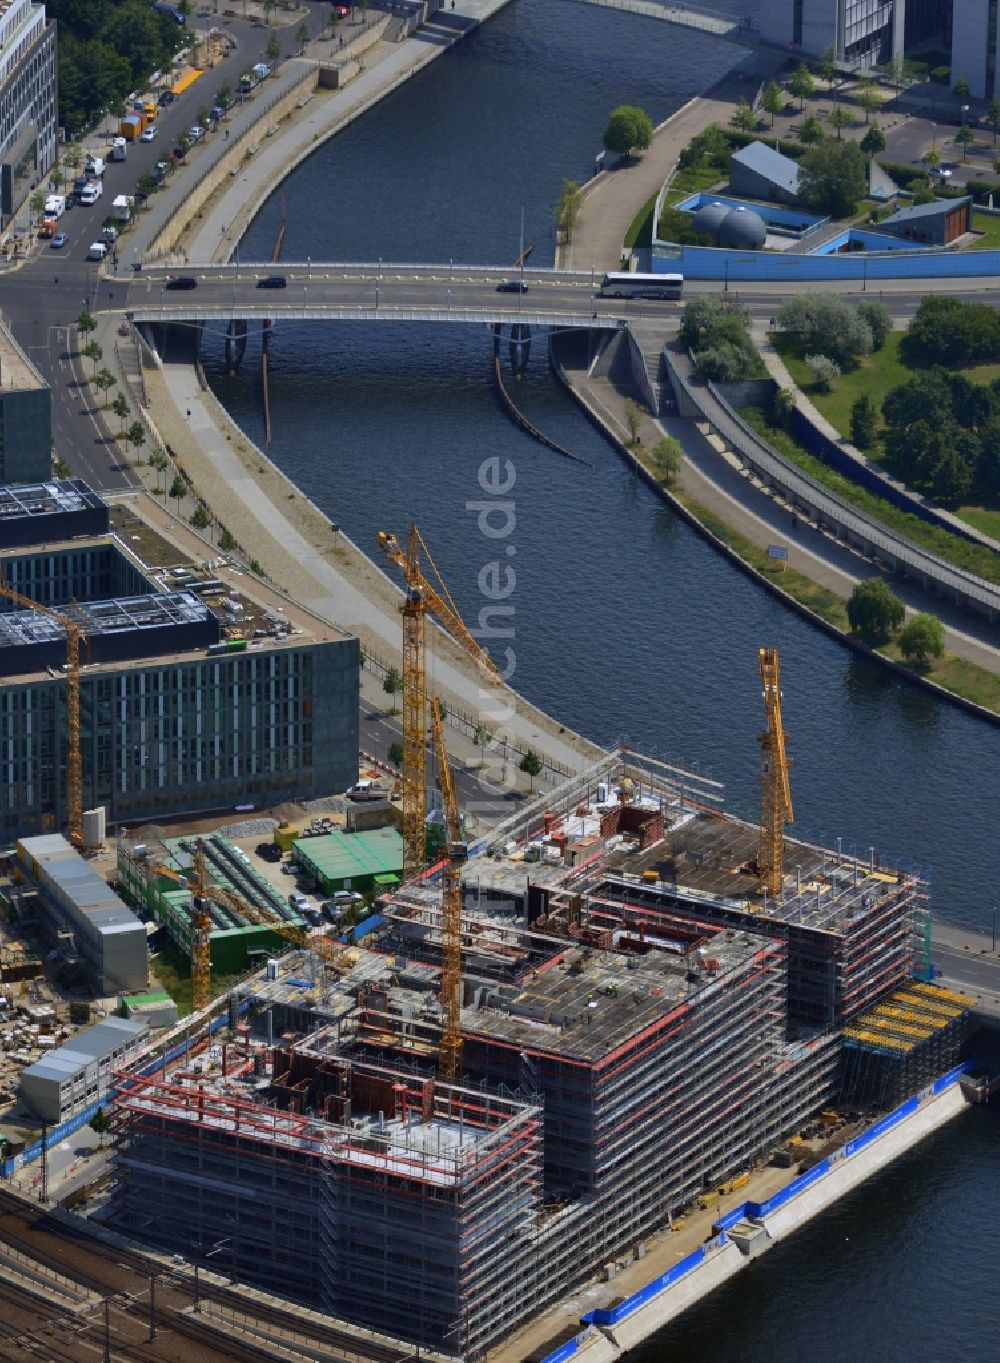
55,205
92,192
98,250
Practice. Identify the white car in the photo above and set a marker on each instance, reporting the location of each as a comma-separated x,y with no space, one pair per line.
196,132
149,133
940,173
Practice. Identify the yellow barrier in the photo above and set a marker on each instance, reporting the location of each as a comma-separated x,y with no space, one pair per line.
185,82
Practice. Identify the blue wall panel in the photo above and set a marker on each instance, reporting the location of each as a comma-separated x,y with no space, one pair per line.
711,262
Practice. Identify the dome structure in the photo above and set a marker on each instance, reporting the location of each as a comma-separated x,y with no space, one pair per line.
742,230
709,218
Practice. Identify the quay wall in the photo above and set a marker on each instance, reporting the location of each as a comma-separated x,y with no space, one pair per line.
660,1301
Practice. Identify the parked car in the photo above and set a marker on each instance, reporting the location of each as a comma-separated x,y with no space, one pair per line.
196,132
272,281
59,240
940,173
148,134
181,281
341,897
289,870
166,97
331,912
512,286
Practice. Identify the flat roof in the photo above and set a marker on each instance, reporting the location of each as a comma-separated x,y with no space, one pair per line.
340,856
94,1043
17,373
91,896
47,499
149,611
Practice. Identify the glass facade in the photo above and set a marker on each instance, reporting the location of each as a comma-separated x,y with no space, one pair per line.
184,737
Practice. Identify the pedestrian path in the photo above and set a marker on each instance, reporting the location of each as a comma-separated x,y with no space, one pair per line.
685,16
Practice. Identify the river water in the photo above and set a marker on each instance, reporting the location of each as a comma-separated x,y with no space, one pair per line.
628,626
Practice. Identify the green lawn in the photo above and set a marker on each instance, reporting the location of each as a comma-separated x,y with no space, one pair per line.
990,228
876,375
973,557
686,182
641,231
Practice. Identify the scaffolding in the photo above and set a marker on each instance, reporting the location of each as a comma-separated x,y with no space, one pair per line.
898,1046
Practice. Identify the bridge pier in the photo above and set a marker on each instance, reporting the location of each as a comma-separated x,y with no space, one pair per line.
236,344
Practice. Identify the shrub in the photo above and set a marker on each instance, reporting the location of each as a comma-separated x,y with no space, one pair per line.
864,422
825,372
921,638
874,610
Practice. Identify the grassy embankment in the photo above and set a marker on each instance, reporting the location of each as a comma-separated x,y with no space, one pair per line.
685,182
965,679
876,375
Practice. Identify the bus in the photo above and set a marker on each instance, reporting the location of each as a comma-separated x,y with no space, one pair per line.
618,284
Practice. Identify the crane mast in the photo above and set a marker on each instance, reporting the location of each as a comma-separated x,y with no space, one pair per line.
75,634
422,599
775,790
450,1054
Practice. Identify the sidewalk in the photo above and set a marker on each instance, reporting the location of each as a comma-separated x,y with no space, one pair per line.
778,371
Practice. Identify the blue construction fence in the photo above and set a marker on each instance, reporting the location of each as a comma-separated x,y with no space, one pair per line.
714,262
73,1124
756,1210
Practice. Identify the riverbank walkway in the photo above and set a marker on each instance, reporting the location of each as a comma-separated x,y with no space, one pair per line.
712,475
613,198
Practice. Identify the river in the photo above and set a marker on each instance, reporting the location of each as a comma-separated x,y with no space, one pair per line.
628,626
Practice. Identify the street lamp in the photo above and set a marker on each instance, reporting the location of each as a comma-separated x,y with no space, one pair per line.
965,110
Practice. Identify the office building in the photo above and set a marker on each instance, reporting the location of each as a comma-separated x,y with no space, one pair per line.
198,692
27,101
75,1076
860,33
25,417
974,43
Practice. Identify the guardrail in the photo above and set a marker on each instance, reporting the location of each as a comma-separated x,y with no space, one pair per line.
829,510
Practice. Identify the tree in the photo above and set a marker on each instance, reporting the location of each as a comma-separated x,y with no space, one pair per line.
961,88
268,7
105,380
921,638
951,477
204,118
568,208
839,119
702,313
136,435
826,67
772,99
801,84
86,321
826,325
628,128
73,156
391,684
120,408
878,319
147,185
873,141
273,49
100,1124
224,95
864,422
200,518
667,455
825,372
993,117
227,543
177,489
94,352
782,407
874,610
37,203
302,36
632,420
965,137
932,158
743,118
531,765
868,97
811,131
834,177
395,754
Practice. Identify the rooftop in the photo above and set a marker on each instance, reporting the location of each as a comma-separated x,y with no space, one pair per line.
344,856
94,1043
17,373
940,208
46,499
782,171
50,854
907,1017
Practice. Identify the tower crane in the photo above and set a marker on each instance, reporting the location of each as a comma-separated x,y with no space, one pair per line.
775,791
450,1054
422,598
203,890
75,635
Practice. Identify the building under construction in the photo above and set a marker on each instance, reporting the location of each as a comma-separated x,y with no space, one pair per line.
638,1024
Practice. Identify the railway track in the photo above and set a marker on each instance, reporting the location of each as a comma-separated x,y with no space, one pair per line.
124,1275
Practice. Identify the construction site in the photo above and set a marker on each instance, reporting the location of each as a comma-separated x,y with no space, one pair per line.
640,1017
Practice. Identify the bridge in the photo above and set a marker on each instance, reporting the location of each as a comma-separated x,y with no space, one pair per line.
384,293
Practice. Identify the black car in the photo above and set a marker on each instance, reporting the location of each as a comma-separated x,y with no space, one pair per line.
140,196
166,97
182,281
512,286
273,281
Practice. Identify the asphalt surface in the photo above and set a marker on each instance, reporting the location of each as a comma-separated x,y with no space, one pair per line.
43,297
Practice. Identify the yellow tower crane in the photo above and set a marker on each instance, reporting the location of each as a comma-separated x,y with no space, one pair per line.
422,598
775,791
203,890
450,1054
75,635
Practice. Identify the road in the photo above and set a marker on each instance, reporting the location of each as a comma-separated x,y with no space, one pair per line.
43,296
